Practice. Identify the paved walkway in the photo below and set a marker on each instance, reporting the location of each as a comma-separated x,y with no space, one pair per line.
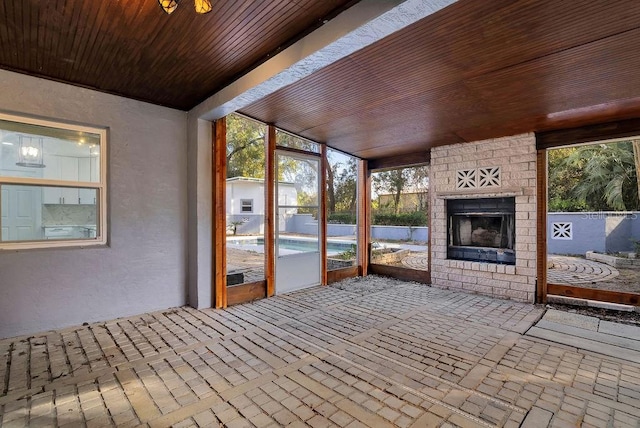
575,270
367,352
590,333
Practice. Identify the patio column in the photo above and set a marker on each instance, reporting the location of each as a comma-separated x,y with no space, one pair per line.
219,210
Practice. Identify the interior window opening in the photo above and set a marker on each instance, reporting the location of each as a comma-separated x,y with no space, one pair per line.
52,184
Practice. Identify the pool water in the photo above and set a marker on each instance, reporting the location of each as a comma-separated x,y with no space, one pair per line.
291,244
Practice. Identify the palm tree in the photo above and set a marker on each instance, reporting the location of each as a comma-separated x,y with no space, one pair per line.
609,179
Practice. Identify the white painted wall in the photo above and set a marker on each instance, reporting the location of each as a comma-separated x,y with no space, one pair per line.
240,189
144,266
237,190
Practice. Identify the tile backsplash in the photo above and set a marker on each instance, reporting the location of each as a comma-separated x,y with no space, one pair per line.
60,215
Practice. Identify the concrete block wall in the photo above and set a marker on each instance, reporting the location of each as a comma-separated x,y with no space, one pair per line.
516,156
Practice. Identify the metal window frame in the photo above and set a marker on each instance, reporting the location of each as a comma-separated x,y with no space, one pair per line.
243,205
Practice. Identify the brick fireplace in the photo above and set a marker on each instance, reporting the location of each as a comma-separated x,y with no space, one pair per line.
483,217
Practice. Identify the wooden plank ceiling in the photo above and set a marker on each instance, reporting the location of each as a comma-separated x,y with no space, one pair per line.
474,70
132,48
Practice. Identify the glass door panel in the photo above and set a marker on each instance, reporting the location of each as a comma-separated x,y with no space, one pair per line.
297,226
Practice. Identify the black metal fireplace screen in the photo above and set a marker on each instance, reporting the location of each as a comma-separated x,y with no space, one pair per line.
482,230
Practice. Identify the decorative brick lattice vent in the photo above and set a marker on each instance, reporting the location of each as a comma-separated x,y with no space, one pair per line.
489,177
466,179
478,178
562,230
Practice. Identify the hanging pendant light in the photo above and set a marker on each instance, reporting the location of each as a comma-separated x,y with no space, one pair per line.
30,152
201,6
168,5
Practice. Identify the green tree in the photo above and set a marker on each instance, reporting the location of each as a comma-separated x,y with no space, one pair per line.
391,182
346,189
245,147
608,177
563,177
420,186
341,182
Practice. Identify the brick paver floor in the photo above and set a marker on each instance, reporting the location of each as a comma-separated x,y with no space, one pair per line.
575,270
367,352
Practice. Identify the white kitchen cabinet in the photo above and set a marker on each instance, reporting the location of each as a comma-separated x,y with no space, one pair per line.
95,169
51,195
69,169
87,196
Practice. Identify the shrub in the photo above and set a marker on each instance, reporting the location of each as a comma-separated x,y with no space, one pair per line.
341,218
416,218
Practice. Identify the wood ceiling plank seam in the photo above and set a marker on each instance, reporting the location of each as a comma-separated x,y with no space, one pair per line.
555,44
251,67
33,25
295,16
50,45
145,68
74,67
59,21
402,41
164,41
234,21
19,44
96,51
606,53
91,33
510,57
14,31
129,55
114,55
311,90
322,114
5,40
293,111
330,115
156,41
212,64
118,50
268,32
42,53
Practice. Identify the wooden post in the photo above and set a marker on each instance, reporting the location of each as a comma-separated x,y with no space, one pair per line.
270,216
364,215
219,213
429,229
636,158
322,214
541,238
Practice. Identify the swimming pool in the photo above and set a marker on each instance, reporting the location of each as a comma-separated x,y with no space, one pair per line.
292,245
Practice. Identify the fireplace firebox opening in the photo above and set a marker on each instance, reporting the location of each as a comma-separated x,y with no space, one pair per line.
481,230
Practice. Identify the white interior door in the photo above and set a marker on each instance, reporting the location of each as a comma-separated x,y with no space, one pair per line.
20,212
297,228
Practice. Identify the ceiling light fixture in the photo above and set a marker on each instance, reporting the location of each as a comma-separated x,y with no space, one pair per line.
201,6
30,152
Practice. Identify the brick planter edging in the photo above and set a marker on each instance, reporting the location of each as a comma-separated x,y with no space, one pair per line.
612,260
387,258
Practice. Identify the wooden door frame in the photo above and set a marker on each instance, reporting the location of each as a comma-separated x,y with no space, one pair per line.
406,274
541,227
219,175
563,138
